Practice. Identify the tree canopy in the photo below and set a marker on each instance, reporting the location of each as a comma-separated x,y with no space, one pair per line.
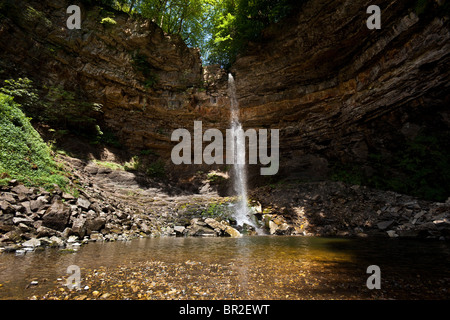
221,29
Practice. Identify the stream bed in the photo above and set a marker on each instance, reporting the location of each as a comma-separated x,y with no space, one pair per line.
251,267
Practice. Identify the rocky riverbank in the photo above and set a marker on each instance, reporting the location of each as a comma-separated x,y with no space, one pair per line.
112,205
337,209
32,218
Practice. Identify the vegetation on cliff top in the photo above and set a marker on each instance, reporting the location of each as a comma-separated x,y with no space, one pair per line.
221,29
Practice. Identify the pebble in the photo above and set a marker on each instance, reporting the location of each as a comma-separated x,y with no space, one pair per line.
392,234
20,252
72,239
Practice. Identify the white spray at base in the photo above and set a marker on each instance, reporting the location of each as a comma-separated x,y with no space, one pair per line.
242,210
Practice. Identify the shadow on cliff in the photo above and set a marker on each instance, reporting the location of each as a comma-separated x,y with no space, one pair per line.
93,159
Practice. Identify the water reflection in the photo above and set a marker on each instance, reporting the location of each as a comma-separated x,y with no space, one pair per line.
254,267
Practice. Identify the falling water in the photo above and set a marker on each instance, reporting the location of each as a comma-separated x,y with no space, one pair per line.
240,176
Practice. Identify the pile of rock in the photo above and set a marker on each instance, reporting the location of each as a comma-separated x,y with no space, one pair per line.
34,217
336,209
412,220
200,227
208,227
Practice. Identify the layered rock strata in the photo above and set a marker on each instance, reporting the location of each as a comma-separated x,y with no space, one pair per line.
338,90
149,83
335,89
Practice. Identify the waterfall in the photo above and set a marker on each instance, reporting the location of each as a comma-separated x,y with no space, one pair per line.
240,176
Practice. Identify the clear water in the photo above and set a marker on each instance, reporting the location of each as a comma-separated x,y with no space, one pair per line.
257,267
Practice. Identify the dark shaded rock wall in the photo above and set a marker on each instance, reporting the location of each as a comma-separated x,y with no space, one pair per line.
339,91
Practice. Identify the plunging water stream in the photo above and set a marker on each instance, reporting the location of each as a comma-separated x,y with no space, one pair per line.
239,170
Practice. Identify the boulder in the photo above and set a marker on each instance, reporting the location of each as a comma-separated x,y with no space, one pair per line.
32,243
38,204
79,226
95,236
46,232
57,216
14,235
283,229
10,198
145,228
197,230
6,207
272,227
21,189
56,241
179,229
232,232
6,218
67,196
83,203
383,225
26,221
392,234
72,239
5,227
94,224
214,224
228,230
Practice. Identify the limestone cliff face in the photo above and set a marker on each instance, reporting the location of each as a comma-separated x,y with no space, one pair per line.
338,90
335,89
148,82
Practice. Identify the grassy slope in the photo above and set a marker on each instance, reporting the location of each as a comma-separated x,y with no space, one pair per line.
23,154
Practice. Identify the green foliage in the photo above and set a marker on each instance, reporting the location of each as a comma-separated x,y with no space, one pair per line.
24,155
216,178
111,165
423,8
347,173
420,7
133,164
24,94
148,152
186,18
55,106
156,169
218,211
64,109
36,17
141,64
221,29
421,168
108,21
108,138
236,22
